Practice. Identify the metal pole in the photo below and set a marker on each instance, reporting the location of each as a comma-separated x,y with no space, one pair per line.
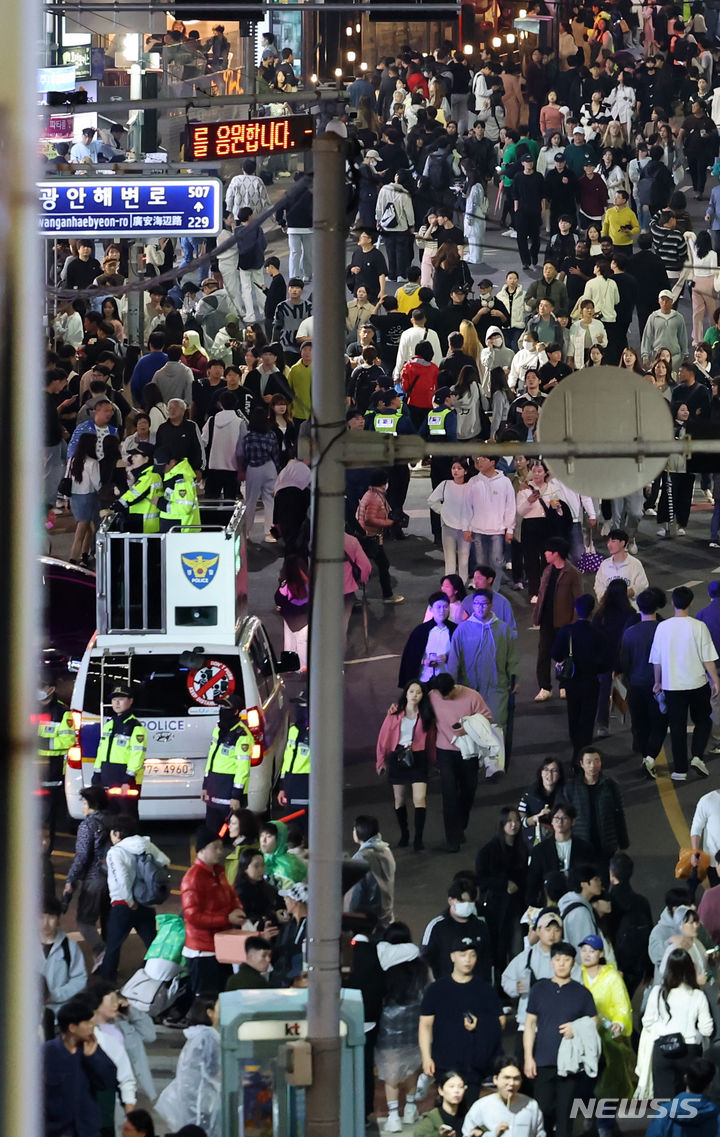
189,102
21,523
326,638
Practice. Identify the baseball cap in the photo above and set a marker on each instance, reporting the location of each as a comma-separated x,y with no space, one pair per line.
298,891
462,943
527,158
146,449
204,836
595,942
442,394
666,292
560,157
579,130
122,690
546,918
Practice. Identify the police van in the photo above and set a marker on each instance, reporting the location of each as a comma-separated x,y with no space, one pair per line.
172,622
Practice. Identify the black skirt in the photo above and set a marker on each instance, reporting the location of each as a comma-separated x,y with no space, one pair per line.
406,775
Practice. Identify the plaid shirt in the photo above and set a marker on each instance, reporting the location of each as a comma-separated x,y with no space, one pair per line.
259,449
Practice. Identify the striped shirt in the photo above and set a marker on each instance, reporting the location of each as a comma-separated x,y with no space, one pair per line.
668,244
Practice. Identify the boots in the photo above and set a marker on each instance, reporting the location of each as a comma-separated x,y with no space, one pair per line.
419,828
402,817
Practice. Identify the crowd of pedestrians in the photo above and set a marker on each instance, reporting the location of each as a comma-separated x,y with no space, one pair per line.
517,1001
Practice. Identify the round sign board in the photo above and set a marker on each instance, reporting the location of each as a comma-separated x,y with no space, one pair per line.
605,404
211,683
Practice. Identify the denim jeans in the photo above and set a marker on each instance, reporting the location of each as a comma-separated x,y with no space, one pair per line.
490,550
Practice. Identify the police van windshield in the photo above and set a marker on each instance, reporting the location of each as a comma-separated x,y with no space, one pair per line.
164,688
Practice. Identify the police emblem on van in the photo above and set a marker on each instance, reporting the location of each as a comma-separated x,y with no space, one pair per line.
200,568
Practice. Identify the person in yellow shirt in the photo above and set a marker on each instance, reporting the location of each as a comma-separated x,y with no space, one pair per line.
408,295
300,381
620,223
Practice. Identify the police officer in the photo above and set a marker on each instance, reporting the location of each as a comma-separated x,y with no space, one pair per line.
55,737
441,424
179,502
294,791
227,772
120,760
141,500
389,415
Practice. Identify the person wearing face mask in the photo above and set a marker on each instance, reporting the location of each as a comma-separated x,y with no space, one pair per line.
460,918
495,353
528,356
227,771
512,295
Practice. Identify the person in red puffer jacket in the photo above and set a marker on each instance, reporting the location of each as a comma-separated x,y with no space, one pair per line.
209,905
419,382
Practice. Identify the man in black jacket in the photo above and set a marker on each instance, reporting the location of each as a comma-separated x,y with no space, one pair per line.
562,192
599,805
481,151
648,270
561,852
527,192
630,923
579,645
627,286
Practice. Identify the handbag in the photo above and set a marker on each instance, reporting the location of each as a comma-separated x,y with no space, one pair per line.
65,487
565,669
589,561
672,1045
404,757
684,866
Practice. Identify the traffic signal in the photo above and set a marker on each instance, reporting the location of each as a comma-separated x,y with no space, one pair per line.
386,11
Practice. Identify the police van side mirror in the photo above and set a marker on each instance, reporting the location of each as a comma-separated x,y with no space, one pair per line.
288,661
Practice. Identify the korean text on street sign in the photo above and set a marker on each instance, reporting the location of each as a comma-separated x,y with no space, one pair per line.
130,207
209,141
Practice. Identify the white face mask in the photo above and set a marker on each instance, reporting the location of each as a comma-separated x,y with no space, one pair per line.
496,341
465,908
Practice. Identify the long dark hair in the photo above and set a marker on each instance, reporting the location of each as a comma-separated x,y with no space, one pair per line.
703,243
425,711
463,384
248,824
454,579
405,982
86,448
615,602
679,969
538,788
504,816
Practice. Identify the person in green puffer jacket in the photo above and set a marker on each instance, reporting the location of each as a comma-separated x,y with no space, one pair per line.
283,868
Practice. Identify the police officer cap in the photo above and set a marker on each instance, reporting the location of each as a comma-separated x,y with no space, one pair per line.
122,690
146,449
442,394
161,456
383,395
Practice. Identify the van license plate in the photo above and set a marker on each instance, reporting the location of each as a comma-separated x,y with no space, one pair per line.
179,769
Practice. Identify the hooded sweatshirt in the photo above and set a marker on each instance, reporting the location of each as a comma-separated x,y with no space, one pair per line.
282,868
493,356
687,1115
224,428
375,892
174,380
122,866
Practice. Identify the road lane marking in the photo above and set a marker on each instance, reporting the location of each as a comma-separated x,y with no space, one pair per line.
671,803
371,659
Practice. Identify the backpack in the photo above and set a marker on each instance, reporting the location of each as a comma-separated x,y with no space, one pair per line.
438,171
152,880
389,217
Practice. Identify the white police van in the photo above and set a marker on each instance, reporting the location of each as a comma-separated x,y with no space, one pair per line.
172,623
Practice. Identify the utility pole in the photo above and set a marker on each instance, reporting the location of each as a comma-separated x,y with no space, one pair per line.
21,523
326,636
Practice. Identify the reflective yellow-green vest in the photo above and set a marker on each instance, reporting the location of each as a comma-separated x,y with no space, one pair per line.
296,759
231,755
180,499
142,499
386,422
126,746
55,737
436,422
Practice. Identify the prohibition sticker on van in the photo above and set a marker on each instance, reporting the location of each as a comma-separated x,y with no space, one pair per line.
210,684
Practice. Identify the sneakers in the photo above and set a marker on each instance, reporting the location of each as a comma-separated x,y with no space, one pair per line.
270,540
678,777
698,764
606,527
662,532
714,545
632,548
534,599
393,599
602,732
510,233
410,1113
649,767
709,496
650,512
680,532
563,693
543,695
393,1124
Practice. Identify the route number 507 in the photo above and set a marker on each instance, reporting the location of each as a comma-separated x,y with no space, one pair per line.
198,191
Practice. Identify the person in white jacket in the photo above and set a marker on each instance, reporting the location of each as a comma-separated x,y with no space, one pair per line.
529,357
507,1110
395,217
220,437
534,962
492,515
109,1037
620,564
450,500
125,912
411,338
676,1006
584,333
193,1097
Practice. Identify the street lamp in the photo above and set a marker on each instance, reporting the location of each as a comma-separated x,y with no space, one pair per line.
510,38
363,66
496,41
468,49
351,56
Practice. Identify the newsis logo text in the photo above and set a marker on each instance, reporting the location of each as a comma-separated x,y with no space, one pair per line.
607,1109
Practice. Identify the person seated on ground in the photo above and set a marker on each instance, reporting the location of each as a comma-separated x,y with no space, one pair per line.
281,867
